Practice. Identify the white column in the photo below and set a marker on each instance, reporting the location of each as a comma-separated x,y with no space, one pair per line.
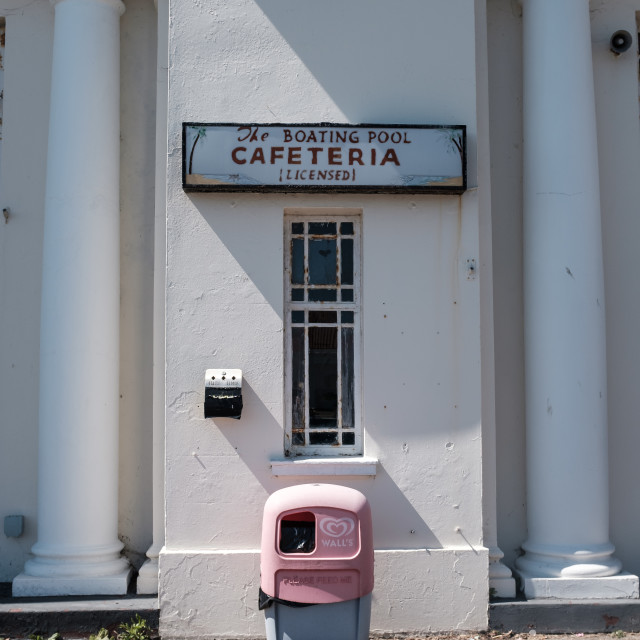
568,553
78,551
148,575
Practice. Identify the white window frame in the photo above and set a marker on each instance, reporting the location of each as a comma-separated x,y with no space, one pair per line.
323,215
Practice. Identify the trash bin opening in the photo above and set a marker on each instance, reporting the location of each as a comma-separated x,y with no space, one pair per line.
298,532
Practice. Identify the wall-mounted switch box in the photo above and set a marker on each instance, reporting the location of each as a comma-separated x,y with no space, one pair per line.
13,526
223,393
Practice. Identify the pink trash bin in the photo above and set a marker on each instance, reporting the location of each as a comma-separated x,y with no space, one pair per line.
316,566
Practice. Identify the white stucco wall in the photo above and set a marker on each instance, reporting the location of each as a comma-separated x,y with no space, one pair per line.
260,61
266,62
22,184
137,197
505,109
616,87
619,143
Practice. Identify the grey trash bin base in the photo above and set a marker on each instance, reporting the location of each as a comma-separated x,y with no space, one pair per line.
348,620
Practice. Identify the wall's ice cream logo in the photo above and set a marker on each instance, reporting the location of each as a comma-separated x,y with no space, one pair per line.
337,530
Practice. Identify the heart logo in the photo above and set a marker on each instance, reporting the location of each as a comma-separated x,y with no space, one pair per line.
337,527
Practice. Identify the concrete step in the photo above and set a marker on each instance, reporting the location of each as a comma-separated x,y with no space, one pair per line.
565,616
81,616
77,615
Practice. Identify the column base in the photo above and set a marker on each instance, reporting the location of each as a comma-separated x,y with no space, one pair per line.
25,586
623,585
502,584
148,578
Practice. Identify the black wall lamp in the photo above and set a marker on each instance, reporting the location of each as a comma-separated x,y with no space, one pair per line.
620,42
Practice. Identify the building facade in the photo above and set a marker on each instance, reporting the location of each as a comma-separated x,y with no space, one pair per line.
463,353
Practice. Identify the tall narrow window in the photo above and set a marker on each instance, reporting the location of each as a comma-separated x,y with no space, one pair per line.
322,311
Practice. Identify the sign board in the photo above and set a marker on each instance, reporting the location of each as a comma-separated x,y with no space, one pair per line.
324,157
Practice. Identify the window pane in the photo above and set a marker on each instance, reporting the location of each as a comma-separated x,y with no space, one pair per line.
323,437
323,377
322,228
323,295
297,377
349,438
297,261
297,295
298,438
323,317
297,227
297,317
347,295
346,258
346,317
322,261
347,378
346,228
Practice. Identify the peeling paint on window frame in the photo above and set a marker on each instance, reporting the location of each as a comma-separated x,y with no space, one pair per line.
337,215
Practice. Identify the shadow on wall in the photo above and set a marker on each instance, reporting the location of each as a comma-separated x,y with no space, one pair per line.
138,99
244,238
258,436
396,523
250,228
375,60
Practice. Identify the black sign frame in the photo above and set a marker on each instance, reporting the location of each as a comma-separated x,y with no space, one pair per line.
270,187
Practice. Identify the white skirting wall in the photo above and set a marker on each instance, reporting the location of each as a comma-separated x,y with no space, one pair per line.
453,598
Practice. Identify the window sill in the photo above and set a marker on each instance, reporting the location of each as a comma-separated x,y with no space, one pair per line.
356,466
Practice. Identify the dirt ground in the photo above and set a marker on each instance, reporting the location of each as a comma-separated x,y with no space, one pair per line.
491,635
531,635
